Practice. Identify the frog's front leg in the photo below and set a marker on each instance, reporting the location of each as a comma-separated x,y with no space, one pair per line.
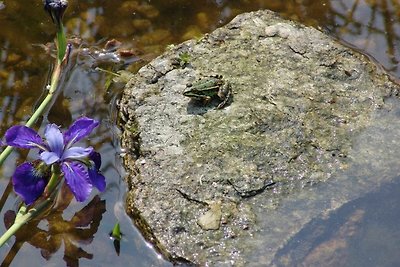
206,99
224,94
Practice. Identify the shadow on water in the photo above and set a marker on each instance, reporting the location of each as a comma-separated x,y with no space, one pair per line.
363,232
324,221
78,234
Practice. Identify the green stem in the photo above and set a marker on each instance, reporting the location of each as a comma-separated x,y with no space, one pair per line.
107,71
22,218
55,78
62,57
54,180
61,43
7,151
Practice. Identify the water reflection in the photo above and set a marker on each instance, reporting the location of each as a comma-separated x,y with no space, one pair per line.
72,234
144,28
370,26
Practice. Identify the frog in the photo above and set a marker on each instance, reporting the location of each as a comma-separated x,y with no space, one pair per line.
209,88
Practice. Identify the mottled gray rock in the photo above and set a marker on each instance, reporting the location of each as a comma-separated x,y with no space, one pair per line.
300,103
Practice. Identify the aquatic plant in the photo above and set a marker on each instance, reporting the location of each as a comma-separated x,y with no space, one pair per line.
63,52
38,182
116,236
78,165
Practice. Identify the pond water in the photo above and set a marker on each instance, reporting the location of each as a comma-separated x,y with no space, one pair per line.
360,233
78,235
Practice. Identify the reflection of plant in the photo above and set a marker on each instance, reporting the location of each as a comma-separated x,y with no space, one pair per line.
80,229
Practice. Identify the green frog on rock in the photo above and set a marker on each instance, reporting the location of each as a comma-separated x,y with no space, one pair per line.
209,88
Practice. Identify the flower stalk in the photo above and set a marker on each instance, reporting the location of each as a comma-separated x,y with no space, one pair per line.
37,182
56,10
78,166
54,180
55,78
24,216
61,44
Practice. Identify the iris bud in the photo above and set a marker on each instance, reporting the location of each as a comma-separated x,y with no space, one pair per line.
56,9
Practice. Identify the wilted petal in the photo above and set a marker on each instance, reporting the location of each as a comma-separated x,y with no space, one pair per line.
55,139
77,178
27,182
49,157
97,179
77,152
23,137
79,129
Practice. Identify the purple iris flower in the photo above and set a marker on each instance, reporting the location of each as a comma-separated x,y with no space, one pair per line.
79,165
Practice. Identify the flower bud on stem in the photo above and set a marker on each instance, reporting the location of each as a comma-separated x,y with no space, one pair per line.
56,10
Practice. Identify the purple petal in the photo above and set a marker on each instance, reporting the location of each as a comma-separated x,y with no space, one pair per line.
23,137
77,178
79,129
97,179
55,139
96,158
49,157
27,182
77,152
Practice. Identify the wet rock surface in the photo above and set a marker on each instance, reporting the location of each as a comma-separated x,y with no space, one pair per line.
229,186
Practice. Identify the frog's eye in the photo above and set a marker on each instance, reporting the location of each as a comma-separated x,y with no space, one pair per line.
189,85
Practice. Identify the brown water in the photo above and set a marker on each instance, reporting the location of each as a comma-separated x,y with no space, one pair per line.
145,28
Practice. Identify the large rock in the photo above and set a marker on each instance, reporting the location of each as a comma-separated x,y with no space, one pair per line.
307,114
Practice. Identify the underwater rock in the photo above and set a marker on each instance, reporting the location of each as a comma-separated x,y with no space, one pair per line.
305,111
